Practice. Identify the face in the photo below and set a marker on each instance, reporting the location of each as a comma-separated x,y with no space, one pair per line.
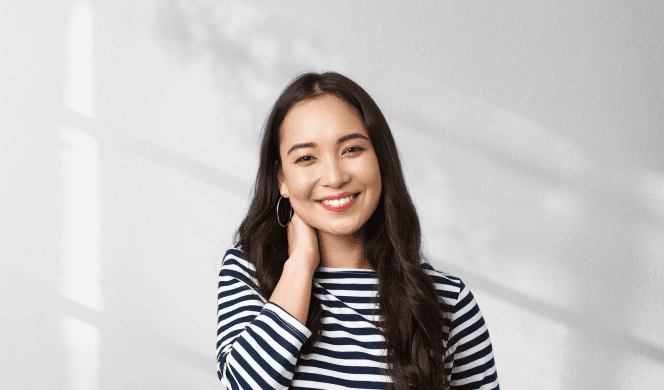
326,152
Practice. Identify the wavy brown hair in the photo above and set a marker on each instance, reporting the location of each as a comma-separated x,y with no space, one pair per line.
409,304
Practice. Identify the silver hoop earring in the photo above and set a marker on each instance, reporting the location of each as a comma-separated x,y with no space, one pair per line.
289,218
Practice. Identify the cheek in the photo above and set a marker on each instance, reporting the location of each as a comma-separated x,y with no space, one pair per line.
372,175
298,187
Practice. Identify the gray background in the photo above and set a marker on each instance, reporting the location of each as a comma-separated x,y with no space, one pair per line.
531,135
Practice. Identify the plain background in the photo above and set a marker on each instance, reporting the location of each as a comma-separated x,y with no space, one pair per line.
530,133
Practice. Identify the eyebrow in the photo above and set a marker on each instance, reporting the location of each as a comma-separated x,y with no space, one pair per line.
315,145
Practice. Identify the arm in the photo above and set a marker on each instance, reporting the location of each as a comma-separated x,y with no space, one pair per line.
258,343
473,366
293,291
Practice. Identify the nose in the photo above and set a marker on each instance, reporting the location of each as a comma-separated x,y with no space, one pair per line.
334,174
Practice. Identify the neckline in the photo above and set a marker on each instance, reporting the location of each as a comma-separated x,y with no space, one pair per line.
336,269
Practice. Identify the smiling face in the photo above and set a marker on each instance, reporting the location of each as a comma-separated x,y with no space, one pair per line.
326,152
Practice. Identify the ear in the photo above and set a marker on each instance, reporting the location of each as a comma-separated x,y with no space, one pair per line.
281,181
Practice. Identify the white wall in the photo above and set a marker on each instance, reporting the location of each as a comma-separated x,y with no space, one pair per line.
531,134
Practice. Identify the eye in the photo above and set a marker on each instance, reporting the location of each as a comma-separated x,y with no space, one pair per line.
302,159
359,148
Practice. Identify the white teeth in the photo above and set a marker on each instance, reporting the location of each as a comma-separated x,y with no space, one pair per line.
338,202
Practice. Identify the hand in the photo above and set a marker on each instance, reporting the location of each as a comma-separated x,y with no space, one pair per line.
303,242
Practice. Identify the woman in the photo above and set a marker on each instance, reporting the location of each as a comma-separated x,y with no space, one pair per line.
340,254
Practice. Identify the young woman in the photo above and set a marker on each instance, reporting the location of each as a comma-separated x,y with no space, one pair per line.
326,287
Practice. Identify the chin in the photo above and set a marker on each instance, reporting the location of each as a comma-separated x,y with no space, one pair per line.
341,230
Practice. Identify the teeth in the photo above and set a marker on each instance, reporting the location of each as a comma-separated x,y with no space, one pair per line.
338,202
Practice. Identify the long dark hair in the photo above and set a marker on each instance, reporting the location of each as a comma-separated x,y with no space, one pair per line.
408,300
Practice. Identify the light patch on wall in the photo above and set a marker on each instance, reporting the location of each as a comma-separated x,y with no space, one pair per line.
80,88
81,219
82,340
80,231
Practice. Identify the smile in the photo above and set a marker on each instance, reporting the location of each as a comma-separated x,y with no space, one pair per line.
338,204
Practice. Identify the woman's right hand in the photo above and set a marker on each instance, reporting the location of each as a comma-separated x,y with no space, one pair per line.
303,242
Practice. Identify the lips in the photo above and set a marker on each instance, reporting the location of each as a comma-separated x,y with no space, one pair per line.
341,195
339,202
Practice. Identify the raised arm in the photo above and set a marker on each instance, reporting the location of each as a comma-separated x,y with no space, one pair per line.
258,342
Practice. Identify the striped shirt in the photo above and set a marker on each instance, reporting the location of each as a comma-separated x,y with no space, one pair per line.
258,343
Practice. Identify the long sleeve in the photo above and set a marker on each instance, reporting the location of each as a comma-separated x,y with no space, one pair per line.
258,343
470,346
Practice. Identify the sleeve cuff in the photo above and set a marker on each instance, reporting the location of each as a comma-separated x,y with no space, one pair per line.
290,323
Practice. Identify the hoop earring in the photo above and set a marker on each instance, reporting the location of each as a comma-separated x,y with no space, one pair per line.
289,218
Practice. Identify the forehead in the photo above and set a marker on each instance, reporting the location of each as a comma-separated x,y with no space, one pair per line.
320,117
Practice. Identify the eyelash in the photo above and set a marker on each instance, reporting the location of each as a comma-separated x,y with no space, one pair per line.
352,147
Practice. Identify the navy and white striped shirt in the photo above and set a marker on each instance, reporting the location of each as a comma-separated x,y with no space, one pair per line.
258,343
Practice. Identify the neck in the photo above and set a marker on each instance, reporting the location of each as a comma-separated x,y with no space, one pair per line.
342,251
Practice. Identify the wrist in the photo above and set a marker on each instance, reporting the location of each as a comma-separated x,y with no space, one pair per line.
303,262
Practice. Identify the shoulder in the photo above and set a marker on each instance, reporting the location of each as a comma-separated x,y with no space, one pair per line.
233,254
234,265
451,289
448,285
